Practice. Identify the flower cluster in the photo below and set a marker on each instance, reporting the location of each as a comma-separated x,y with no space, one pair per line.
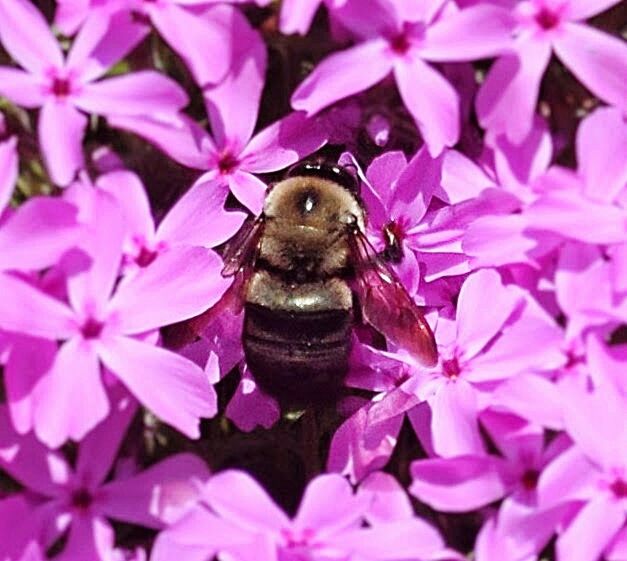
138,137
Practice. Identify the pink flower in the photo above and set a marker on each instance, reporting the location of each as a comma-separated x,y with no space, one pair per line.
401,41
296,15
8,168
591,475
115,327
544,27
78,500
232,155
238,519
64,87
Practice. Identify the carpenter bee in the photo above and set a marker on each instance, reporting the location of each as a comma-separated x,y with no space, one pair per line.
300,270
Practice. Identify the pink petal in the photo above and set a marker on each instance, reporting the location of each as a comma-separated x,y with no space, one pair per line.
459,484
342,74
29,359
38,234
70,14
177,390
297,15
533,398
17,526
454,427
131,95
329,505
27,460
513,81
250,407
403,539
157,495
70,399
103,39
129,194
89,288
606,363
432,101
454,37
90,539
576,217
476,325
387,499
591,531
415,187
597,59
617,551
33,312
249,190
192,36
233,104
199,218
604,171
60,130
8,169
99,449
569,477
462,179
377,193
359,448
27,38
183,140
583,9
153,297
604,407
238,498
283,143
21,87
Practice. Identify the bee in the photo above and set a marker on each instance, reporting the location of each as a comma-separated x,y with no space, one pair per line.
302,270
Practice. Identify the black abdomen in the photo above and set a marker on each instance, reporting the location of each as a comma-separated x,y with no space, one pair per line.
297,357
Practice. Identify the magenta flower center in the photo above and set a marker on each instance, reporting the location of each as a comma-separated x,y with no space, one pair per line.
227,163
295,539
61,87
547,19
146,256
451,368
400,43
92,328
393,235
81,499
529,479
619,488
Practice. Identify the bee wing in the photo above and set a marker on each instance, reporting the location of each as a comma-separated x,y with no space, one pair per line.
241,252
239,259
386,305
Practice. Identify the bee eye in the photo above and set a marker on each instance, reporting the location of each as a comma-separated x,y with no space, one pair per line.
332,172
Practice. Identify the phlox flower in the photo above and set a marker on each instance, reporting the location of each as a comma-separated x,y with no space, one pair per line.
196,220
65,87
399,40
239,520
469,482
115,326
591,476
507,100
478,352
231,154
78,500
32,552
296,15
191,30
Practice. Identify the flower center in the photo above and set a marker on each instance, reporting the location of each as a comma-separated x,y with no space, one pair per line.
145,257
61,87
295,539
92,328
400,43
529,479
393,235
619,488
451,368
227,163
81,499
547,19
